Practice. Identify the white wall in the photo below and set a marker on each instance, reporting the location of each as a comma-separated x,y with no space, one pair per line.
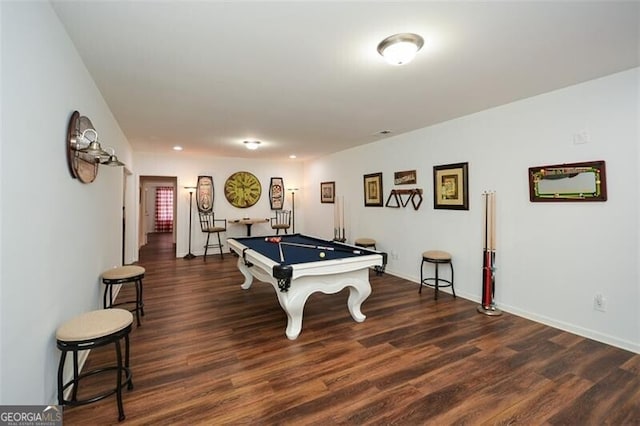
551,257
188,167
52,252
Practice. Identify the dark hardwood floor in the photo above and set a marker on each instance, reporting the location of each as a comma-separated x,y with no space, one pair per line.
209,352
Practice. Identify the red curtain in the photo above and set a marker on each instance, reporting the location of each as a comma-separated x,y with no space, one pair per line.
164,209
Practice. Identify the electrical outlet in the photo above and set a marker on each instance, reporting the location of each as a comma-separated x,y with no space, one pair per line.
581,138
599,303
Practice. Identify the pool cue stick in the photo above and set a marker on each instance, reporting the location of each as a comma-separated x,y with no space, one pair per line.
281,254
493,246
342,237
311,246
486,256
487,306
336,221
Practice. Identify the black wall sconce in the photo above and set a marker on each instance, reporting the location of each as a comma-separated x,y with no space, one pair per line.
84,153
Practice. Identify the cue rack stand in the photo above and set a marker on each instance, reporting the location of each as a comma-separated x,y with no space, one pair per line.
395,198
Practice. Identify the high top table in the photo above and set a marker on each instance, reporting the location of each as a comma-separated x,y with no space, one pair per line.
248,222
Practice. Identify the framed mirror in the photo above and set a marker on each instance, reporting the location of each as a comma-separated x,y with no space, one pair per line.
568,182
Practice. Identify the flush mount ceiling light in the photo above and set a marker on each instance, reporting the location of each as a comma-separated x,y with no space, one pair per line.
252,144
400,49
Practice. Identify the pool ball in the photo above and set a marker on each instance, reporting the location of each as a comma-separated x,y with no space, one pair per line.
321,254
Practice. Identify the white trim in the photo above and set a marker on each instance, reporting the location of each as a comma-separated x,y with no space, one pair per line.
571,328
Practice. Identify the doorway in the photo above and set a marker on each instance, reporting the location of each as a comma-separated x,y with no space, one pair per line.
158,209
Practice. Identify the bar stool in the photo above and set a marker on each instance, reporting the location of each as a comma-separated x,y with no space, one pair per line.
437,257
369,243
366,243
124,275
91,330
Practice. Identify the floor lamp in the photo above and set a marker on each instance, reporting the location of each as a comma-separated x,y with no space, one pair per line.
293,207
191,190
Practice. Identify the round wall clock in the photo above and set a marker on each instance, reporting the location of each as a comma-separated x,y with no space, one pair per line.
242,189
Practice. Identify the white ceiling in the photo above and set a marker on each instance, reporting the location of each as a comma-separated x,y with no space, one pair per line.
305,78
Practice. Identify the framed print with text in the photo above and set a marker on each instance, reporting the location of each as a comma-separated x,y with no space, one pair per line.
407,177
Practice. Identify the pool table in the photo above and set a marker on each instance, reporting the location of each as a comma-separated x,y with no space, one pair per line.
306,265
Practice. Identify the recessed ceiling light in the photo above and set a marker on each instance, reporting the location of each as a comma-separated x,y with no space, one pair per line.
292,156
177,148
400,49
252,144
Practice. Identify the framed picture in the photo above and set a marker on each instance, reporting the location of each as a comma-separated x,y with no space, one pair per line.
373,190
276,193
327,192
408,177
204,194
568,182
451,186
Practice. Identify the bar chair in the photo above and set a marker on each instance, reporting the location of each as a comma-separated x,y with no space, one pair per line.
210,225
282,221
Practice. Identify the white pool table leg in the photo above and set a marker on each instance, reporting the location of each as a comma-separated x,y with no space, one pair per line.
357,295
248,277
292,304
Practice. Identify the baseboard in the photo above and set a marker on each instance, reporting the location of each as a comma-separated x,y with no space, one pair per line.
571,328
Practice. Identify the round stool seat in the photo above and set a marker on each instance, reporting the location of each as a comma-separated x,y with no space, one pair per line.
94,324
124,275
365,242
436,255
123,272
87,331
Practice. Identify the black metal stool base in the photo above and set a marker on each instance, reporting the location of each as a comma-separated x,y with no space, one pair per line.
124,376
435,282
137,303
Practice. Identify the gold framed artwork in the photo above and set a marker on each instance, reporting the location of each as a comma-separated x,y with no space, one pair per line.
327,192
373,190
451,186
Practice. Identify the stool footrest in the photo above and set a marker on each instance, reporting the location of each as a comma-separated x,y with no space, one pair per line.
436,258
126,382
425,281
128,302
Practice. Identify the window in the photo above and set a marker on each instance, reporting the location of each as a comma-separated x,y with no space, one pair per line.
164,209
